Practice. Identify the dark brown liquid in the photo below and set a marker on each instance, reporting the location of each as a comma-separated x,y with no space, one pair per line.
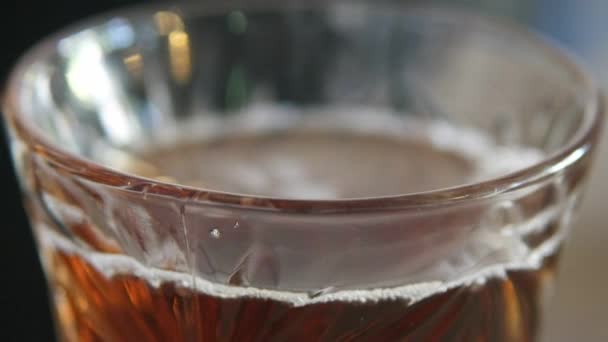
91,307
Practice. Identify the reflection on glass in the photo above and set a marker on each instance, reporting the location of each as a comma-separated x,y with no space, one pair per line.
134,64
119,34
89,80
171,25
179,54
237,22
167,22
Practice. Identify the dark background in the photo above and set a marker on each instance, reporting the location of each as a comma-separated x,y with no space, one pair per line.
580,25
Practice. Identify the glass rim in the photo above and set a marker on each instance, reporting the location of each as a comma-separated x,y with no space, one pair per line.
579,145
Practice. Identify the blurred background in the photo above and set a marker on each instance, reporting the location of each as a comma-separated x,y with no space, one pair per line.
577,313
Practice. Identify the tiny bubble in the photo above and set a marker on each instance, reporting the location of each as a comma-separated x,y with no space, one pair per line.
215,233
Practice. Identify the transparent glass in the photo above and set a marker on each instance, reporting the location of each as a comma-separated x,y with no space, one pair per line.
299,171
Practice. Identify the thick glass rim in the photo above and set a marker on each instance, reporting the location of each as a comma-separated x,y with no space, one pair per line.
83,168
